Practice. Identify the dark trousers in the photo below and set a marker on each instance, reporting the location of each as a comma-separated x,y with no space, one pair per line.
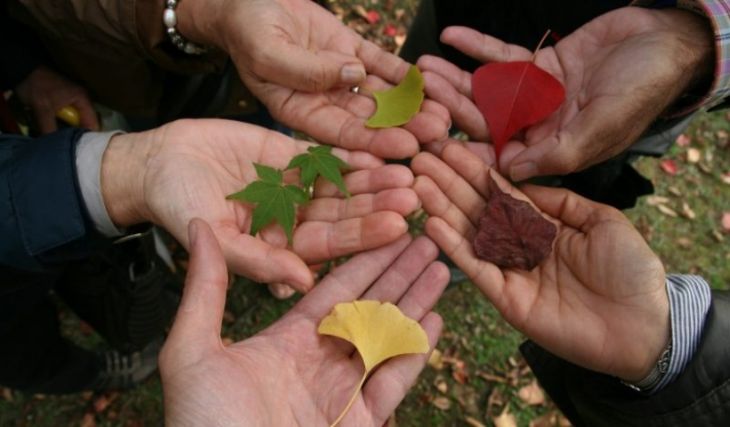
524,22
119,292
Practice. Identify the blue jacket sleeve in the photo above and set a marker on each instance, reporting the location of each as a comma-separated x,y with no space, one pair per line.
43,221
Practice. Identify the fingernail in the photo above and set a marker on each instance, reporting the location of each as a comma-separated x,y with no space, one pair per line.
192,232
523,171
352,74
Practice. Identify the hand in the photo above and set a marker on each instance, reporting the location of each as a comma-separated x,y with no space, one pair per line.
46,92
620,72
301,61
288,374
598,300
186,169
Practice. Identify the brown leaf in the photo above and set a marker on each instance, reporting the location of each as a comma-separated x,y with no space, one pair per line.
496,398
683,140
442,403
674,190
693,155
549,419
102,402
492,378
687,212
440,384
726,178
667,211
88,420
532,394
656,200
512,233
718,236
684,242
436,360
505,419
473,422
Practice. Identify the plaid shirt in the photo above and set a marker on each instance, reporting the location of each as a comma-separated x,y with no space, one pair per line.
718,12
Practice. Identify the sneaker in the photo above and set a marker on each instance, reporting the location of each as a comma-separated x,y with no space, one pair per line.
124,371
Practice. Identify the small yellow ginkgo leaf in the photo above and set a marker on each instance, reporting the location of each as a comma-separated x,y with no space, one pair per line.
379,331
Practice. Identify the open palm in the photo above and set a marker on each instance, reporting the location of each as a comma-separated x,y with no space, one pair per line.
194,165
290,54
620,72
597,296
288,374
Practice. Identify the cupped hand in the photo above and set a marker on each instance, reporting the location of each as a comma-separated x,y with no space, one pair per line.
301,61
599,298
620,71
46,92
186,169
288,374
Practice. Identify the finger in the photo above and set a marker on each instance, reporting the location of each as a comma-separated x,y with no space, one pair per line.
317,241
486,276
457,78
482,47
457,189
571,209
368,181
253,258
87,115
381,63
423,295
483,150
348,281
46,120
437,204
465,113
389,384
197,325
279,149
400,200
403,272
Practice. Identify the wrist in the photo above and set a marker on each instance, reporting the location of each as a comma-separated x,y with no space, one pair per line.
123,169
198,21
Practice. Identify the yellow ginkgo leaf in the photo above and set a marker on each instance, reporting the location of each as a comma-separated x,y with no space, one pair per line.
398,105
378,330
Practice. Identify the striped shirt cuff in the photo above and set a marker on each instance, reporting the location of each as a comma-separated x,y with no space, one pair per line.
689,302
718,13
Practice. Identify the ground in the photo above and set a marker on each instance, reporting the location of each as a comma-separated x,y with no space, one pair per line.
480,373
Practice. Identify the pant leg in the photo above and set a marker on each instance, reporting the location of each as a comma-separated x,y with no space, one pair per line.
34,357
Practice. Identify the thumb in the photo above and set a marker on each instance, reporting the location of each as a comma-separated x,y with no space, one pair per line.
198,322
301,69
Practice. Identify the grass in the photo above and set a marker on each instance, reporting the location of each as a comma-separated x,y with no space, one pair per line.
483,362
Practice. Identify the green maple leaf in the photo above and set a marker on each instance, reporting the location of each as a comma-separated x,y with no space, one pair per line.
398,105
319,160
274,200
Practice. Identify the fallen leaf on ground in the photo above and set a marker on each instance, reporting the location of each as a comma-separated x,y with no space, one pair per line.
441,402
441,385
693,155
378,331
435,360
473,422
669,167
667,211
88,420
532,394
505,419
684,242
726,178
687,211
683,140
656,200
492,377
726,221
549,419
397,106
102,402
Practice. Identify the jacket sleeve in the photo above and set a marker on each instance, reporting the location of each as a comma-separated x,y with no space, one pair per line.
699,396
43,221
135,23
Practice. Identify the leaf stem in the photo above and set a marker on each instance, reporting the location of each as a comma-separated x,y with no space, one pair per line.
539,45
352,399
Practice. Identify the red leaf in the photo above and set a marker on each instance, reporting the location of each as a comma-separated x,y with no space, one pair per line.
390,30
512,234
372,17
669,167
513,96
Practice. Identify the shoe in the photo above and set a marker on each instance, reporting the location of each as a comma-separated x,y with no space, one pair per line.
124,371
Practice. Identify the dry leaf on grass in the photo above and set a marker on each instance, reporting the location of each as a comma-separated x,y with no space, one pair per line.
473,422
436,360
442,403
505,419
693,155
687,211
532,394
667,211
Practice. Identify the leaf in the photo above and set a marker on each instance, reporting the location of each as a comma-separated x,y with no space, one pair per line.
693,155
319,160
442,403
532,394
512,234
274,200
669,167
666,210
683,140
378,331
398,105
505,419
514,95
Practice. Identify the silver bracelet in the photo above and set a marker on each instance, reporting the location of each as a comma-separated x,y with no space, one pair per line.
657,373
169,18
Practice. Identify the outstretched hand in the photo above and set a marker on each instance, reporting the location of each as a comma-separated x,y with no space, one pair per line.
598,300
620,71
301,61
186,169
288,374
